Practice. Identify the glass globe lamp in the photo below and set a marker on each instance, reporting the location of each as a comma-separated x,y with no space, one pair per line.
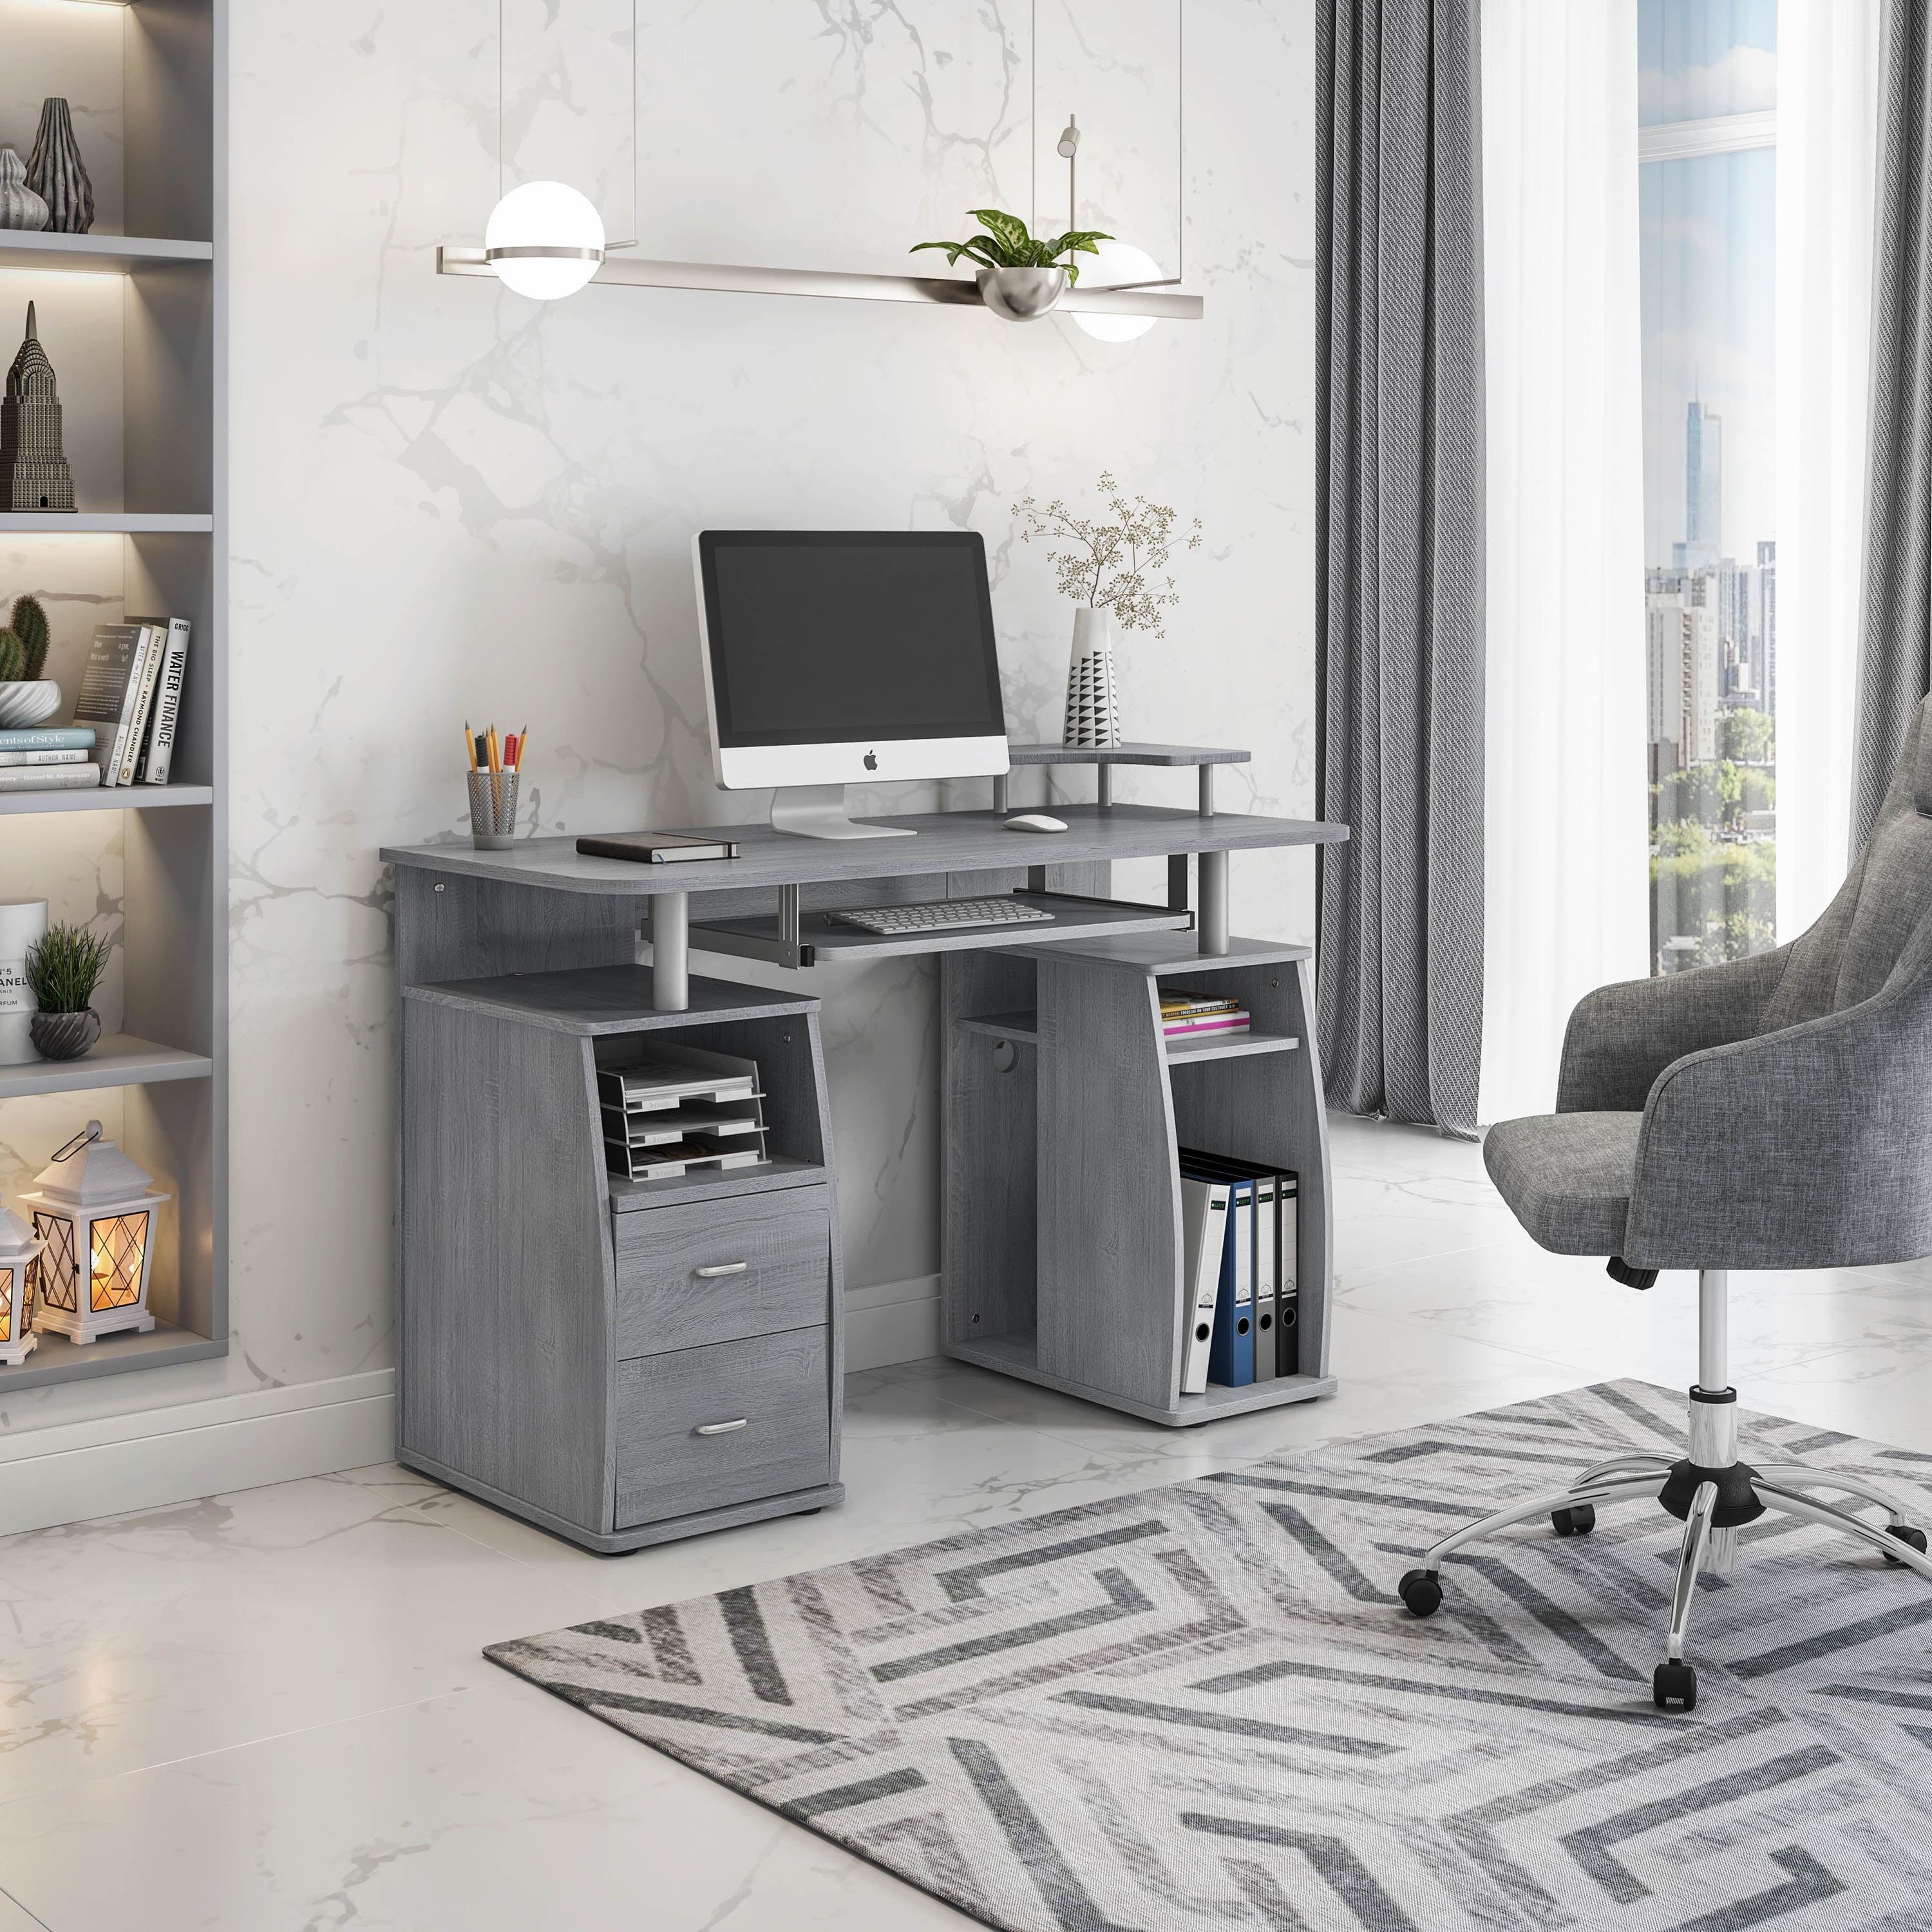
544,240
1116,262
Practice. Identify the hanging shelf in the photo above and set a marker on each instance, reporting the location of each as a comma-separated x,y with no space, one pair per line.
731,278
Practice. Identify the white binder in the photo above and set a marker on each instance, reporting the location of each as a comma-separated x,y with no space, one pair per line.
1203,1229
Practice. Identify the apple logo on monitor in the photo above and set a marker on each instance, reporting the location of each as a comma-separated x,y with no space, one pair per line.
871,761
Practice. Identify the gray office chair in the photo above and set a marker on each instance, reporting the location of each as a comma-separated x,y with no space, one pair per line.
1775,1112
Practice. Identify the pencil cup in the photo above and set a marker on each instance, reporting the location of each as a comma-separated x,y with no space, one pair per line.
493,810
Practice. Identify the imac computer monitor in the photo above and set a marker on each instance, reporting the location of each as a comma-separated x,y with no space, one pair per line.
843,657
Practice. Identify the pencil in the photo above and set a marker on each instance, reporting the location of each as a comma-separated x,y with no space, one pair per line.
469,743
495,751
523,746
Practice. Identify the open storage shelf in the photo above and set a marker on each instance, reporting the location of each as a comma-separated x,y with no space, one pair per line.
132,316
118,1060
118,798
1065,1108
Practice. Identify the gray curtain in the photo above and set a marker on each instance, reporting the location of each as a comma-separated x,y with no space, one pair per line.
1895,636
1399,605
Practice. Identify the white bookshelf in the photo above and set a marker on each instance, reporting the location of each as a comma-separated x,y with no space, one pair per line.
152,490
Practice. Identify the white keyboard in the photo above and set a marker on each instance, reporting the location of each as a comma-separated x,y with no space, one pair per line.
892,921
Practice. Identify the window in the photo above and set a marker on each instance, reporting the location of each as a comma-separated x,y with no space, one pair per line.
1708,213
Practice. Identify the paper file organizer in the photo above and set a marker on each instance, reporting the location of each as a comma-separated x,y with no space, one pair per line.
682,1110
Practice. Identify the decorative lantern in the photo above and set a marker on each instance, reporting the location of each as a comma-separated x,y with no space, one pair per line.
95,1217
18,1249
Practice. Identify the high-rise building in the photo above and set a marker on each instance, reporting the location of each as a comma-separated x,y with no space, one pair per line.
1685,653
1703,479
1764,622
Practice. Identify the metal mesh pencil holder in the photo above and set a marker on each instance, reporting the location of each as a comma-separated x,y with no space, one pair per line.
493,810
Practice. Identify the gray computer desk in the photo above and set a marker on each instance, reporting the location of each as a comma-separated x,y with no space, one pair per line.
628,1362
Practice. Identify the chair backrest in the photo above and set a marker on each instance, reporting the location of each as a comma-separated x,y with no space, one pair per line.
1880,926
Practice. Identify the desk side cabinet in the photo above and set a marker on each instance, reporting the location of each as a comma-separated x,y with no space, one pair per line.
623,1362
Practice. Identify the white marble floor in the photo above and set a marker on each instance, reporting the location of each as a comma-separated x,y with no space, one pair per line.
267,1710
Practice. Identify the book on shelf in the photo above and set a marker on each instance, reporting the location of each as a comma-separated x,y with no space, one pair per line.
154,643
9,759
1176,1004
110,689
1204,1025
50,778
157,755
48,738
1184,1014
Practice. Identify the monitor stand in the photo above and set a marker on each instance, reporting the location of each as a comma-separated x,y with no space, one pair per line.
818,811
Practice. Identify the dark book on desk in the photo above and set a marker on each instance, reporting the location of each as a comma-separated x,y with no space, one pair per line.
656,848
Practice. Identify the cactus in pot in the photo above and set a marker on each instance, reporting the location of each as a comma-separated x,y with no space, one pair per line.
29,624
27,696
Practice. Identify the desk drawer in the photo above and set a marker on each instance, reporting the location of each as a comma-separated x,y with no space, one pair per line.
774,1389
778,1246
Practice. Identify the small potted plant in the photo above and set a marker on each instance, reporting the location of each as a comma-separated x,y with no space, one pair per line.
1116,572
26,698
62,971
1021,276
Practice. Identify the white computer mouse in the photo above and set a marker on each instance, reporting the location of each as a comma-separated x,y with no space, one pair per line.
1036,821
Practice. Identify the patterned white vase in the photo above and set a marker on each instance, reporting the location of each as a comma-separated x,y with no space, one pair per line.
20,207
1093,710
32,701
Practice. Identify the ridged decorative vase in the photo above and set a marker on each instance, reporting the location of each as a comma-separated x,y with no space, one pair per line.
64,1035
20,207
1093,709
56,173
29,702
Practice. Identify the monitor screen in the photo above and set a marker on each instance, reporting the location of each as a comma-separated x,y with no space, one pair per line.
823,636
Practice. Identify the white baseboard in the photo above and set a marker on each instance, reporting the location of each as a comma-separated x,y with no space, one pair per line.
892,1321
72,1472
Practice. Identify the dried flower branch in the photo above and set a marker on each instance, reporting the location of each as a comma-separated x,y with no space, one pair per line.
1119,566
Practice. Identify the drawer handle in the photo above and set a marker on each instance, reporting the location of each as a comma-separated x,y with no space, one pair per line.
721,1428
723,1267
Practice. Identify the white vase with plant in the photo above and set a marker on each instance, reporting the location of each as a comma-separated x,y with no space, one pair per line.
1116,572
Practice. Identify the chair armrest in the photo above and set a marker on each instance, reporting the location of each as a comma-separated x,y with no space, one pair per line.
1621,1037
1808,1147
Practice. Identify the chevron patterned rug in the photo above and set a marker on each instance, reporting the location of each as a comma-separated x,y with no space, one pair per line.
1202,1706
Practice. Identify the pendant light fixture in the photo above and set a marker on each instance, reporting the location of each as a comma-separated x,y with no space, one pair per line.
545,239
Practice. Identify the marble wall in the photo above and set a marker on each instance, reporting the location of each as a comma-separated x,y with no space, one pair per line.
448,501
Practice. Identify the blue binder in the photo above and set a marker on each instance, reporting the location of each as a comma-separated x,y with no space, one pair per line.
1231,1354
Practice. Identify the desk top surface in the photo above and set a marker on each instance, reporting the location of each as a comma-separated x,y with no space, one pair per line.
948,841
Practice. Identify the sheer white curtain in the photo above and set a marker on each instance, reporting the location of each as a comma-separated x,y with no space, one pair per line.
1827,141
1567,830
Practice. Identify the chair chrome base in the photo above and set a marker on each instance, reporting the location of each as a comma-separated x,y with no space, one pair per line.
1709,1490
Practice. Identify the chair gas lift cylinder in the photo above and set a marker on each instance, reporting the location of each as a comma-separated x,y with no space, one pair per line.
19,1250
91,1201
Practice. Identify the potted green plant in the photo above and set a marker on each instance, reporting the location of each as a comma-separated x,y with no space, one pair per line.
62,971
26,698
1020,275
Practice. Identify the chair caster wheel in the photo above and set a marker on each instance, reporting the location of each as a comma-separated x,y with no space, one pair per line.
1906,1533
1674,1683
1421,1593
1577,1520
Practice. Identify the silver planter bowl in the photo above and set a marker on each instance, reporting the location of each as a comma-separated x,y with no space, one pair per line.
1020,294
26,703
64,1035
